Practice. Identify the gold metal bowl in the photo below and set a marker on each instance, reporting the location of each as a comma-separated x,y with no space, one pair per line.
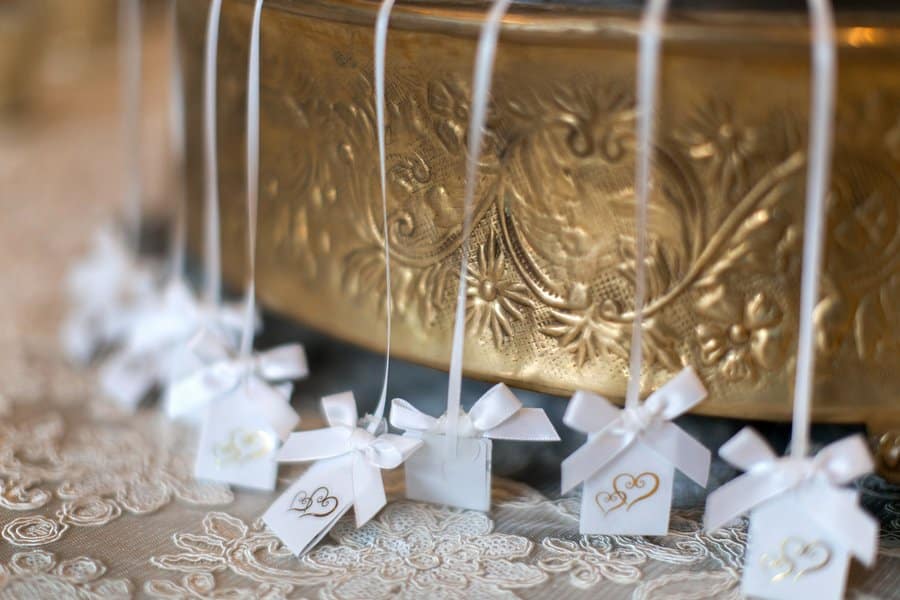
550,285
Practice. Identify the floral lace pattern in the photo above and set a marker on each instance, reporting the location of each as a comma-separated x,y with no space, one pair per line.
38,574
96,469
410,550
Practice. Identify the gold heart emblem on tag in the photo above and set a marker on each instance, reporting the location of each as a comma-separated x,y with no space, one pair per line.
318,504
627,491
797,558
610,501
242,446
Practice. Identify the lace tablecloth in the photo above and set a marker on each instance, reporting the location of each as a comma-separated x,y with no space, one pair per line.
98,504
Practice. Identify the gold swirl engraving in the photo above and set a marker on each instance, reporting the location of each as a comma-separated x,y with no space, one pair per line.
551,282
242,446
318,504
796,558
627,491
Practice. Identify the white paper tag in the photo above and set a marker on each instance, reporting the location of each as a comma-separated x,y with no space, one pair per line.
310,507
463,481
237,445
632,495
789,556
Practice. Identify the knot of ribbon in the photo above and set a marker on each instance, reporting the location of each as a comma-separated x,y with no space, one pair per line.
266,375
835,508
179,315
612,430
498,415
107,290
370,452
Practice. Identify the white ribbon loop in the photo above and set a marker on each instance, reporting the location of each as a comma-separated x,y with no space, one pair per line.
497,415
493,408
180,315
371,453
407,417
282,363
679,395
612,430
589,413
768,476
340,410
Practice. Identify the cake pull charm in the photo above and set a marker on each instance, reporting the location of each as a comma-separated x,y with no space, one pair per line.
109,286
792,499
466,481
346,473
642,441
245,390
641,437
107,291
801,497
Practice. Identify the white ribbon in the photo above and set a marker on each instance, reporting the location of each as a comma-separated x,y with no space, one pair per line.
381,27
497,415
212,238
130,73
263,370
767,476
106,290
178,249
817,181
371,453
612,430
179,316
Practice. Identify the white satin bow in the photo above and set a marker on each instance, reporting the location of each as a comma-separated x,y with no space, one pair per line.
106,289
767,476
371,453
498,415
612,430
179,315
150,354
262,372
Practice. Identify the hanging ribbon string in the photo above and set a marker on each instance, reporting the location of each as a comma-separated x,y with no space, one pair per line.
648,78
481,89
130,68
252,180
381,28
820,140
177,140
212,242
